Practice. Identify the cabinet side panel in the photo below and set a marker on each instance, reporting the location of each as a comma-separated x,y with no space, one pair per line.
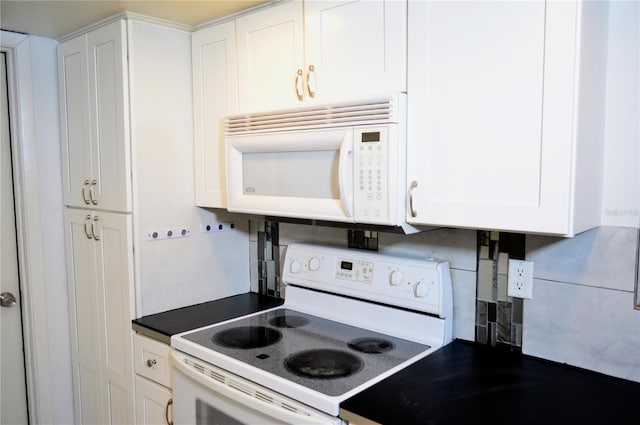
202,266
591,115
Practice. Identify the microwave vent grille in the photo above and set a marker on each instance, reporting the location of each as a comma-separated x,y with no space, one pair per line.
371,111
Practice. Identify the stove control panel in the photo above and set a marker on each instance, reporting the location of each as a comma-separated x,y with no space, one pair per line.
419,284
358,271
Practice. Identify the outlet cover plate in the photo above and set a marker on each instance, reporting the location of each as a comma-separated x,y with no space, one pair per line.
520,279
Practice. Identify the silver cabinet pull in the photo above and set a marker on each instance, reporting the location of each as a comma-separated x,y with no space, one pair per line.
413,185
299,88
93,228
87,221
85,185
7,299
166,411
310,73
151,362
94,201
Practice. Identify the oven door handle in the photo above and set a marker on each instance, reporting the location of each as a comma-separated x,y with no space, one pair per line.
227,390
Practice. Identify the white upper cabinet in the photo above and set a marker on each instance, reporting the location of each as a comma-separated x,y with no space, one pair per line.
355,48
505,120
270,54
94,126
215,95
320,51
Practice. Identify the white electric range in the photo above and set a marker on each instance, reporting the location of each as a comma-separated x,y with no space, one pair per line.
350,319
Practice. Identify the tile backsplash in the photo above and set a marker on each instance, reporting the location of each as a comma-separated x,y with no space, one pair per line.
582,312
498,316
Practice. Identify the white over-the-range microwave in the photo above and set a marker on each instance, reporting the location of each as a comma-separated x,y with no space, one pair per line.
343,162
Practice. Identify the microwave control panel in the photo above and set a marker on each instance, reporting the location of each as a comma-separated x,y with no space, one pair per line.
371,188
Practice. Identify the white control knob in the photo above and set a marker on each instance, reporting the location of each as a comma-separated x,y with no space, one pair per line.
421,289
295,267
314,264
396,278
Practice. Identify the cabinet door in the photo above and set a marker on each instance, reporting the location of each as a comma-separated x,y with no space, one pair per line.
152,403
100,273
108,95
86,329
355,48
215,95
270,56
114,271
475,141
73,82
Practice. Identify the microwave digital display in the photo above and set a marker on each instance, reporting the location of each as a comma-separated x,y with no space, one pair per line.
371,136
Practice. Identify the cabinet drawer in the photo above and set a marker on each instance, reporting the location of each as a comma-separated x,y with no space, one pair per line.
152,360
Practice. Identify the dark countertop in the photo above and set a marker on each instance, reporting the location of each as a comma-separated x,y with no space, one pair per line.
161,326
466,383
462,383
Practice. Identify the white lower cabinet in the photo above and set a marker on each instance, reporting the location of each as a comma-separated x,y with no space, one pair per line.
153,382
153,403
100,282
153,138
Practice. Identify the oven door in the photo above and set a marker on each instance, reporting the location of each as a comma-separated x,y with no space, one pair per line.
204,394
300,173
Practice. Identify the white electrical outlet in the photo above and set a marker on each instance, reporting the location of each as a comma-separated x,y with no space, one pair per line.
175,233
217,227
520,281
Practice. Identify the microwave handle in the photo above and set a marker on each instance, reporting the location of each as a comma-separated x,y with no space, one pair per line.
345,174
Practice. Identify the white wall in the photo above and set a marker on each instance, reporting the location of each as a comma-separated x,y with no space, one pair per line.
621,191
47,131
38,175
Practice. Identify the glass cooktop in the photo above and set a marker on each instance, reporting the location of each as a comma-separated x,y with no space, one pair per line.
321,354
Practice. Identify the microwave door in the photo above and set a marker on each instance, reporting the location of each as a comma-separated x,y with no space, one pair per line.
301,174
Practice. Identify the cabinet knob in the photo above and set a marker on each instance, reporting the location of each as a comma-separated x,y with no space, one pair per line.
151,362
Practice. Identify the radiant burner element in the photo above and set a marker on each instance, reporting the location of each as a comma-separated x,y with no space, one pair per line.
323,364
288,321
247,337
371,345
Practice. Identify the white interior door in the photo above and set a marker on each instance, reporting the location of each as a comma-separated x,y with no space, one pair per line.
13,399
